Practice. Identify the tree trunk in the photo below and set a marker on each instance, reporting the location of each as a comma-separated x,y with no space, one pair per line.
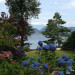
22,41
22,33
58,43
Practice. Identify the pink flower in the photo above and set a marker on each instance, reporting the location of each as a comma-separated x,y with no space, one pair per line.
5,54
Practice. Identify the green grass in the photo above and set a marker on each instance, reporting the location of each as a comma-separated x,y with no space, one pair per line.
65,52
33,54
58,53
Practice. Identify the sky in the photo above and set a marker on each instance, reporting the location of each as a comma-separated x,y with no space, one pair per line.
66,8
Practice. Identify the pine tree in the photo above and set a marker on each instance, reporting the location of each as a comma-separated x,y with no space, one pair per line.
55,31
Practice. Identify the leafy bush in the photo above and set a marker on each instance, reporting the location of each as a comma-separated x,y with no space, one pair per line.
7,35
44,65
7,48
26,48
48,55
7,68
70,43
19,54
64,65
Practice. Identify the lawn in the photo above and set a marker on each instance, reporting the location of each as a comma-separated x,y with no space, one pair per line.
58,53
65,52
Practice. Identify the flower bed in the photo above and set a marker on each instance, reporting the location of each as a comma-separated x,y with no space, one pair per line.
47,63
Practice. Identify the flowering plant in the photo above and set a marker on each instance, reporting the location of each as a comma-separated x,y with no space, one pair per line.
48,55
5,54
64,64
19,54
34,68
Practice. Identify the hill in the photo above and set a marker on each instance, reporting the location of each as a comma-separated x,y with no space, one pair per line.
72,28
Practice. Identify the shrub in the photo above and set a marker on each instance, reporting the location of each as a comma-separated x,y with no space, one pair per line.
7,68
48,55
70,43
7,48
26,48
64,65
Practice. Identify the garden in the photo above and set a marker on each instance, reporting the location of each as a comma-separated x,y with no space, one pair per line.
43,61
16,58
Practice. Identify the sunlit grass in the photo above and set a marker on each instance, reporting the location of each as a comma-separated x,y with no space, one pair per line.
58,53
65,52
33,54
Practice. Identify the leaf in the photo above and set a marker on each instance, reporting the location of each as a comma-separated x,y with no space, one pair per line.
21,72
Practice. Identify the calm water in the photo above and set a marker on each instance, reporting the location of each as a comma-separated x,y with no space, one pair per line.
34,38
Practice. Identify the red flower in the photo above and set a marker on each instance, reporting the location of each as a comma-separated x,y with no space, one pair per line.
5,54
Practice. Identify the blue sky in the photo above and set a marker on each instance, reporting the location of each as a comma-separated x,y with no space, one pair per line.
66,8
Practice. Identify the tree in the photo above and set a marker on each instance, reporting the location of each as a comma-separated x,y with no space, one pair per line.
7,32
22,11
23,8
70,42
55,31
51,31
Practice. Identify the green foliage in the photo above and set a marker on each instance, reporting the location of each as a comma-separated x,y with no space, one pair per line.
8,31
11,69
7,68
30,71
70,43
23,8
22,11
55,31
28,30
73,72
50,58
51,30
7,42
26,48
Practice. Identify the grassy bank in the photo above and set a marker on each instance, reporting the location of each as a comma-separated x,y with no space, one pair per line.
58,53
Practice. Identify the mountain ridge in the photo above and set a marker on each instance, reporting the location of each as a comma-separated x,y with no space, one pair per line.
72,28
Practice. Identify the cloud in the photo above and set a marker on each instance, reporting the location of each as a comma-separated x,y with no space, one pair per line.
48,13
52,2
56,2
72,3
2,1
38,23
70,23
69,5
